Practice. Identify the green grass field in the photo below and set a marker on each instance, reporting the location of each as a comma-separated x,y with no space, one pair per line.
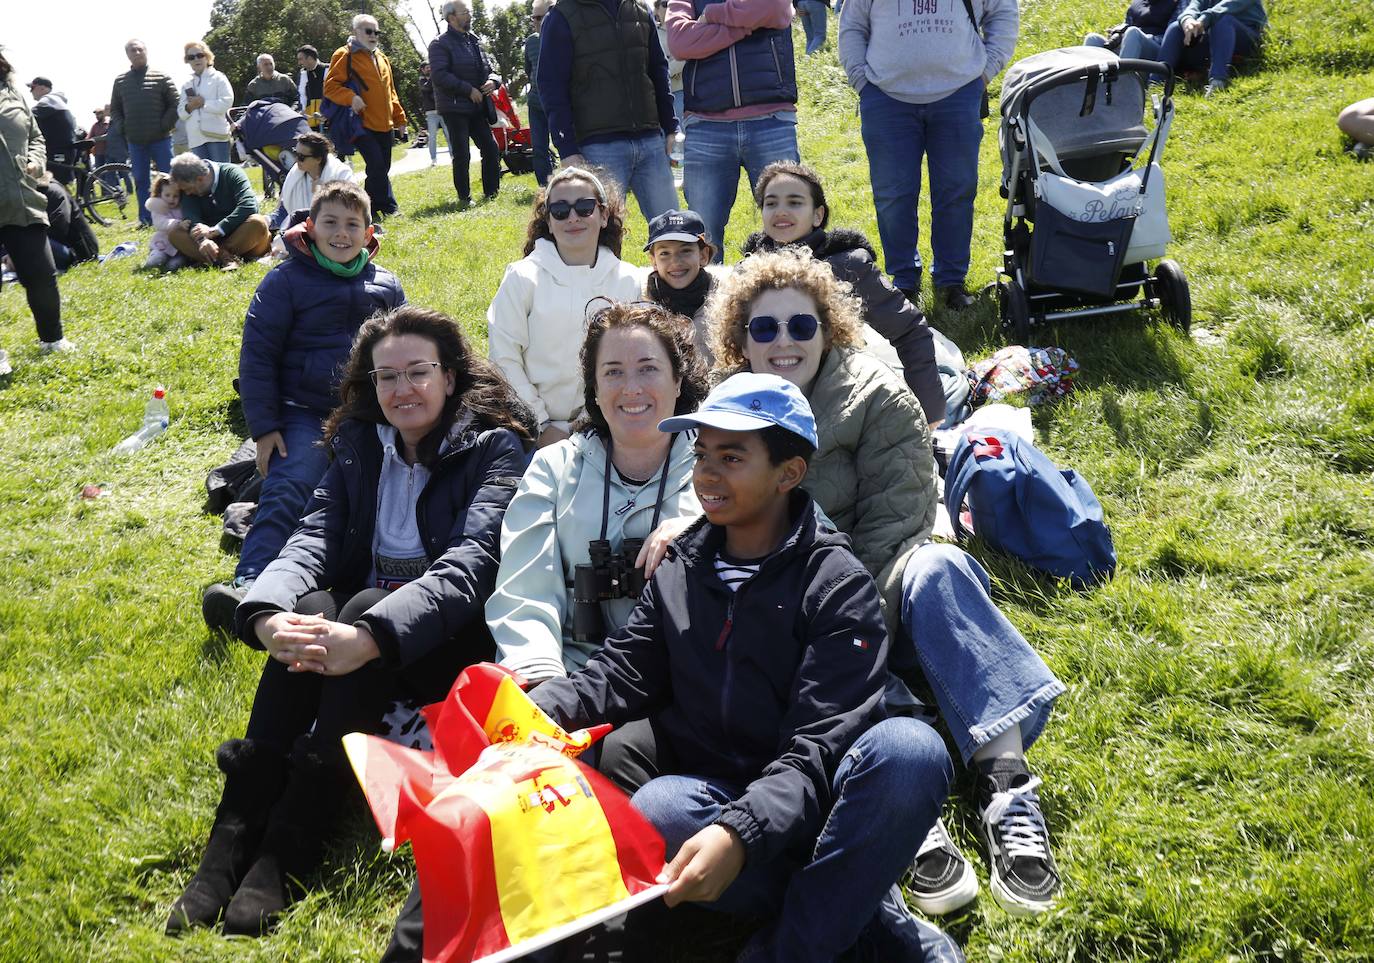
1208,776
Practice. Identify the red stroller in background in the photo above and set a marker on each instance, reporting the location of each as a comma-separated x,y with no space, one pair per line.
512,138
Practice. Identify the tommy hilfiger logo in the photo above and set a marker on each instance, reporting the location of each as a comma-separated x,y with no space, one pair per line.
861,645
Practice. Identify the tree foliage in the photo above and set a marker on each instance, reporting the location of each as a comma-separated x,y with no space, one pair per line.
242,29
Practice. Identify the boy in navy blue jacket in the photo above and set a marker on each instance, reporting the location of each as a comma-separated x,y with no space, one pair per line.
296,337
758,654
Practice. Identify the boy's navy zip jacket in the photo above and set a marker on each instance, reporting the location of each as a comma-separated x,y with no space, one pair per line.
765,688
885,309
459,516
299,331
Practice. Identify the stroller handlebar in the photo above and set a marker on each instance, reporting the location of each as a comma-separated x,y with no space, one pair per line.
1101,72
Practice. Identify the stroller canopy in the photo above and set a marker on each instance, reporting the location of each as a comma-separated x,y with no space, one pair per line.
1115,122
268,123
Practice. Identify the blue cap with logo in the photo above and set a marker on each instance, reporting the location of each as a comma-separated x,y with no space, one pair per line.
676,226
748,402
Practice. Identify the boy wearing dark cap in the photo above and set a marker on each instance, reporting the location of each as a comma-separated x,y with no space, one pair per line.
758,655
681,275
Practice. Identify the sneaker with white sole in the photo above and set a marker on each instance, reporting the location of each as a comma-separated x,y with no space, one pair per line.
60,346
1022,875
941,879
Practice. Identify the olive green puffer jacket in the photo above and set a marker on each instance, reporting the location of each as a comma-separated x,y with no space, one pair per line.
873,472
21,201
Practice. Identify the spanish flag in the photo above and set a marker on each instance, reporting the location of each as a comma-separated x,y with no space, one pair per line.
517,844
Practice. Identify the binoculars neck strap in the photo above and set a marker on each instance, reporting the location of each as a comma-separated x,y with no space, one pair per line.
606,482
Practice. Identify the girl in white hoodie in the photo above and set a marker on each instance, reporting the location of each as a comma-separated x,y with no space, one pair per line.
572,257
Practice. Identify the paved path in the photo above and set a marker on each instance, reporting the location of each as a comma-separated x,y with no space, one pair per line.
417,159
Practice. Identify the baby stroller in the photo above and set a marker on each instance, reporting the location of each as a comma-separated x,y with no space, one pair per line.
265,132
512,139
1082,218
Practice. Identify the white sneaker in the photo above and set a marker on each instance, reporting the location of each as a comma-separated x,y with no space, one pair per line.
5,366
61,346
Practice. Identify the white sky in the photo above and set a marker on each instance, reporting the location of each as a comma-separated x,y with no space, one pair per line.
79,44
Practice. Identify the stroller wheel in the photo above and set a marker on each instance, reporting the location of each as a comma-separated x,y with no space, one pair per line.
1015,308
1171,287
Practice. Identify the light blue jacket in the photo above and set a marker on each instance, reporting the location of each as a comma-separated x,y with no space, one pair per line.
1249,12
556,511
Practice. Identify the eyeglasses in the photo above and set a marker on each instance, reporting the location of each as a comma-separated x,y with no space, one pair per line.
371,33
420,374
300,156
584,206
191,58
800,327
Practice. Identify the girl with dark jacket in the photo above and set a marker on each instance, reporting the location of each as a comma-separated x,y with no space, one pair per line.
792,202
378,594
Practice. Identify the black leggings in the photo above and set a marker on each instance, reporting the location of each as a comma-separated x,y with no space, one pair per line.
288,703
28,248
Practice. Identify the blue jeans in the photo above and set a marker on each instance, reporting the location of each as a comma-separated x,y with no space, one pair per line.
985,676
432,123
947,134
286,488
639,166
888,791
813,17
141,158
213,150
714,152
1136,44
1224,38
539,141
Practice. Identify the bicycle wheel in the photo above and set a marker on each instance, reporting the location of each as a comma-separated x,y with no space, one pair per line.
103,193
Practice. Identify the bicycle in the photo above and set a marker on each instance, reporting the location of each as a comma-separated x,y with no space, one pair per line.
98,191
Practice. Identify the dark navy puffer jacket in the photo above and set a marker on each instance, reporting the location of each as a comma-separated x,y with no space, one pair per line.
299,330
457,64
765,688
459,516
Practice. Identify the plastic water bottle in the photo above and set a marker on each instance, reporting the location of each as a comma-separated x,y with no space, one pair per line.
155,420
126,249
675,157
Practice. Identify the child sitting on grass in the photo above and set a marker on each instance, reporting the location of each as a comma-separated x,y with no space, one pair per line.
164,204
681,276
296,338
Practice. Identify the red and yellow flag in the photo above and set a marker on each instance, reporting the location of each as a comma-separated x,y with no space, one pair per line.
517,844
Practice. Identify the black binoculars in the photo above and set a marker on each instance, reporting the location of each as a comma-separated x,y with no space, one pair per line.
609,575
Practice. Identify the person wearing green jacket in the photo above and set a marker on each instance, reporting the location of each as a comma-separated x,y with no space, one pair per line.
222,224
24,216
143,104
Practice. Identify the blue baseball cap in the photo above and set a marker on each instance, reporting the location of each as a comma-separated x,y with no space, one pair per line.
748,402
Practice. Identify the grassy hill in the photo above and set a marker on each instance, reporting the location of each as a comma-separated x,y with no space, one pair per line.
1208,776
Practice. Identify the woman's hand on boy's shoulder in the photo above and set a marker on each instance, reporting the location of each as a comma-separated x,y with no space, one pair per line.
655,547
704,867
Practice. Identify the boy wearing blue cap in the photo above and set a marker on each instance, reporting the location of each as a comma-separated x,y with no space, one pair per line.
758,655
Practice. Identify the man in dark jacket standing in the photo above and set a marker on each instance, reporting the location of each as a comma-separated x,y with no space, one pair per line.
741,98
463,76
143,105
222,209
539,121
58,125
603,81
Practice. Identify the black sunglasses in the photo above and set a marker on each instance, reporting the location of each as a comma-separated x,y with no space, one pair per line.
372,33
584,206
800,327
194,57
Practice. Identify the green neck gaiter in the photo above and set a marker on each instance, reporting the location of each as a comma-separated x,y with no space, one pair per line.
350,270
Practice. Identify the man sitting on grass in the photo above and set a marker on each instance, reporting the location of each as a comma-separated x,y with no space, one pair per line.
758,653
222,222
296,338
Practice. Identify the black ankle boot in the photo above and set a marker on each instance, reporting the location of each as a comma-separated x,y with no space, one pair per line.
294,841
254,778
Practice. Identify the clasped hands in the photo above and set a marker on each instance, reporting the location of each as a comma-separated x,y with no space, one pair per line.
1192,31
312,643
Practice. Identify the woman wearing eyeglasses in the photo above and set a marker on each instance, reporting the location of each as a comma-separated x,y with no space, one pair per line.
204,105
379,594
572,257
315,164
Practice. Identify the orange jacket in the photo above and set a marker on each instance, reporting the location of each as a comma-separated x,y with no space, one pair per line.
383,110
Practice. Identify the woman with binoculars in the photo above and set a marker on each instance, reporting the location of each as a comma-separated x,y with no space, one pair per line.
582,523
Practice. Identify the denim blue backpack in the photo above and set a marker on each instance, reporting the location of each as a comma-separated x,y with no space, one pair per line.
1024,505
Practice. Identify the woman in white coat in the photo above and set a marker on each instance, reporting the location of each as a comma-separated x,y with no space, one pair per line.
315,164
203,105
572,258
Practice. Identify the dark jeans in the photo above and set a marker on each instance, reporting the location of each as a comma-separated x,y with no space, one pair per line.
461,128
28,248
288,703
1225,38
375,146
142,158
539,140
